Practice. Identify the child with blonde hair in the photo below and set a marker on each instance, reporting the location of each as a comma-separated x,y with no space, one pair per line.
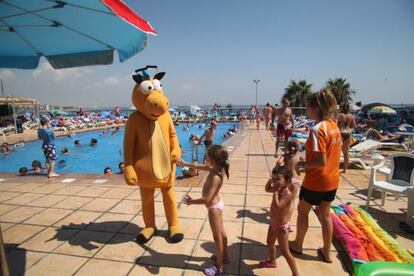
323,152
290,160
217,165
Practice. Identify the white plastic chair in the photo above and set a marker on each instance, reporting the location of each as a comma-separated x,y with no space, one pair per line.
399,181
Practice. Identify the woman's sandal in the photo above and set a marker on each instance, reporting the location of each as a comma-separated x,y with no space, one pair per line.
320,253
267,264
406,227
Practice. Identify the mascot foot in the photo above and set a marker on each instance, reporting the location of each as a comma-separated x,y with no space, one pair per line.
176,235
146,235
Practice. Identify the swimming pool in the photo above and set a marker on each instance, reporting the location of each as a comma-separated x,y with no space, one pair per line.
107,153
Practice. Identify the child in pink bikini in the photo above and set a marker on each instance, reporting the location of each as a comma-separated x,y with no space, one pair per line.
216,164
258,119
283,203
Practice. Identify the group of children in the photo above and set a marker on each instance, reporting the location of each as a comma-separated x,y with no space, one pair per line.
121,166
36,169
107,131
37,166
284,185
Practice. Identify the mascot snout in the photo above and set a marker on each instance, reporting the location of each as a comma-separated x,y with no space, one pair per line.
156,104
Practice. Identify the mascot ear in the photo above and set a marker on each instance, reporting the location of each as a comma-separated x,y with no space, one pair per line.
137,78
159,76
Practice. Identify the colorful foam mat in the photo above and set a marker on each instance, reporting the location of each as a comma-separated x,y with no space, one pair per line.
367,243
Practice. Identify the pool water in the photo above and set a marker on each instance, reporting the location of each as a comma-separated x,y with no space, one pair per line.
107,153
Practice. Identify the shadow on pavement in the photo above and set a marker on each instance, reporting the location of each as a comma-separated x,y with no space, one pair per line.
85,237
16,259
257,217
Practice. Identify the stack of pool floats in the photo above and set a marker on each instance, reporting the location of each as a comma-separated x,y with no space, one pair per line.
371,250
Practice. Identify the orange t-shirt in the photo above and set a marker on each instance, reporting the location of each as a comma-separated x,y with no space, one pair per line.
324,137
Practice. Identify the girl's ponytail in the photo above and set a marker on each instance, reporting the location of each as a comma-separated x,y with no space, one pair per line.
226,167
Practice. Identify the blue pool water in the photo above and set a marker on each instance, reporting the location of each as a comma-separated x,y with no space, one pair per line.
107,153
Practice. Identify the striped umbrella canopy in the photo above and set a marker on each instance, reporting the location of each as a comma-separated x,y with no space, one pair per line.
381,109
69,33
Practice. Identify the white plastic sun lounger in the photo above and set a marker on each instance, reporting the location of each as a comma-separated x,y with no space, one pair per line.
362,152
393,145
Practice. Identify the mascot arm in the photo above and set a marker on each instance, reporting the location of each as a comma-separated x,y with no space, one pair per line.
130,175
174,145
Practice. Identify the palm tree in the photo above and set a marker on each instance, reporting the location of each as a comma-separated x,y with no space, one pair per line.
341,90
297,92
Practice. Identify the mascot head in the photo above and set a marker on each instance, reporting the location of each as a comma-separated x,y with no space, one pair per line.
148,97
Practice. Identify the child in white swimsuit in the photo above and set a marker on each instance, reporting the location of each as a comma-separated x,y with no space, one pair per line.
216,164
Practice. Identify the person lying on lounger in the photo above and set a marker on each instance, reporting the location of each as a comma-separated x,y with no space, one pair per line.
383,136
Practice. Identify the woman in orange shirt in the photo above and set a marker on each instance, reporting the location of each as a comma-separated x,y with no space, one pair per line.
323,151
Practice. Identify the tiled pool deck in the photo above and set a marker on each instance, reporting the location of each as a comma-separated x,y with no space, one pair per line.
81,227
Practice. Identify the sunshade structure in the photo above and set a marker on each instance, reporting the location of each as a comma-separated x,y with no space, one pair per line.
69,33
17,101
10,107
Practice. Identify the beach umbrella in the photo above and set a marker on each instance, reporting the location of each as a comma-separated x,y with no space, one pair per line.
195,107
59,112
194,112
381,109
355,107
69,33
369,106
105,113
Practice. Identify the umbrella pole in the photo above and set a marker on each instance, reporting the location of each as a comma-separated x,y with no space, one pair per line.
2,89
37,113
14,115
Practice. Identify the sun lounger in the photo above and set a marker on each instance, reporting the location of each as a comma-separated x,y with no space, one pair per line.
362,152
59,129
100,124
30,125
7,130
393,145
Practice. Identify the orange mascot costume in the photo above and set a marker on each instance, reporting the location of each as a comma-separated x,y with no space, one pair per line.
151,150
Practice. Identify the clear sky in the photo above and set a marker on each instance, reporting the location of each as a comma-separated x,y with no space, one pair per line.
212,51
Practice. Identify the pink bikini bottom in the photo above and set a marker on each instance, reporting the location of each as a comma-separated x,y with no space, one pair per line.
284,227
219,205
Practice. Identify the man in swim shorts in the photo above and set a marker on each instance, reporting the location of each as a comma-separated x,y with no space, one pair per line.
285,124
48,136
208,135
